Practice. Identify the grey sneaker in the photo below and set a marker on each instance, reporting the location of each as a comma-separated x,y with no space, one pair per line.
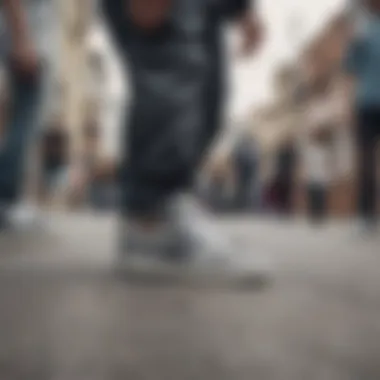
194,253
143,254
137,241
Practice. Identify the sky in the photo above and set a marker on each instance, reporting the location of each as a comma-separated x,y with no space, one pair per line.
251,79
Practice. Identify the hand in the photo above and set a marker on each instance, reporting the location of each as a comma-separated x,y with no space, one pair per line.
25,59
251,30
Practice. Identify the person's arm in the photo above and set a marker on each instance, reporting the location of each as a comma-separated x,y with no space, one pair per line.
22,53
16,20
251,30
243,13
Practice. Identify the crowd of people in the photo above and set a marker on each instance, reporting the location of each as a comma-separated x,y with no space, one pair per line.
233,185
338,96
177,72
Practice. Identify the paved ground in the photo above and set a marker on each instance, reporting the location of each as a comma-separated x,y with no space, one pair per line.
318,320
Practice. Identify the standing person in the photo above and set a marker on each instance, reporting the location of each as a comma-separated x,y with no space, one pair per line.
174,52
218,189
97,170
104,191
24,46
361,65
87,189
285,177
317,165
245,165
54,152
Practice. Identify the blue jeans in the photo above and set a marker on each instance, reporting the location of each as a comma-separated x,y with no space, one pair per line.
23,117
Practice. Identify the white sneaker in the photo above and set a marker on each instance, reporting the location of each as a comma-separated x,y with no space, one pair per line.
199,254
24,217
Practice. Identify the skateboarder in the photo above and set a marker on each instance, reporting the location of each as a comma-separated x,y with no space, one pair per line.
23,46
174,53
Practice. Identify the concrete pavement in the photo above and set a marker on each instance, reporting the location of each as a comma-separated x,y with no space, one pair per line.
319,319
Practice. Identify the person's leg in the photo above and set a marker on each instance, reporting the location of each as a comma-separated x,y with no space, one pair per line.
168,137
165,232
244,192
258,196
16,157
310,201
284,197
213,121
288,198
366,140
23,117
145,197
323,204
318,202
248,192
238,194
46,185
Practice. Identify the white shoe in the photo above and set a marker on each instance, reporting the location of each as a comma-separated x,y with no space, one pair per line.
199,254
24,217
